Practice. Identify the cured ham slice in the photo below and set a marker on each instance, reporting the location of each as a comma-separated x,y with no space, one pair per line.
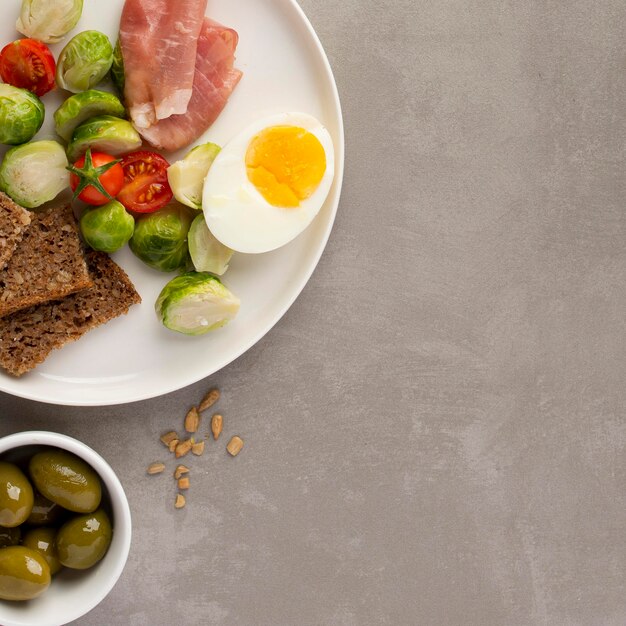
214,81
158,40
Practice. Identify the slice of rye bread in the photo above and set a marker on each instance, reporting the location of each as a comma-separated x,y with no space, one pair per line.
14,221
28,336
49,263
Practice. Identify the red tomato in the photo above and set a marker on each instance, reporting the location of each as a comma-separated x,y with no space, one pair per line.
29,64
145,182
96,172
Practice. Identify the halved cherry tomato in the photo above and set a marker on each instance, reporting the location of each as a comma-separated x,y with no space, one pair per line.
145,182
29,64
96,172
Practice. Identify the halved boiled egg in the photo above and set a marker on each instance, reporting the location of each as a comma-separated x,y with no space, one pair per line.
269,182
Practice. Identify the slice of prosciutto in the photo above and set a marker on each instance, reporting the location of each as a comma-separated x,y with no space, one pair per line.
159,42
214,81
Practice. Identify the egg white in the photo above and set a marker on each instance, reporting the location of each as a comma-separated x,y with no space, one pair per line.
236,212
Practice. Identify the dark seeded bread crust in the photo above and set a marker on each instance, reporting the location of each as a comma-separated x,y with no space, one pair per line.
27,337
49,263
14,221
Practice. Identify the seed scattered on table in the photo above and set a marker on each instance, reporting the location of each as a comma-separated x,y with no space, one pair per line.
173,444
192,420
197,448
217,424
183,483
235,445
180,470
209,400
156,468
167,438
183,448
180,501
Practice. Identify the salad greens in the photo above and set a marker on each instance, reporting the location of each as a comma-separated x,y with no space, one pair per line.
108,227
21,114
104,133
48,20
207,253
85,61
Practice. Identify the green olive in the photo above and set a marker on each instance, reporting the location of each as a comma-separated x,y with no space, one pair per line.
43,541
16,495
24,573
10,536
84,540
67,480
45,512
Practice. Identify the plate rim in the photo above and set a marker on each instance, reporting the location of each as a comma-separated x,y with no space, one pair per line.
334,198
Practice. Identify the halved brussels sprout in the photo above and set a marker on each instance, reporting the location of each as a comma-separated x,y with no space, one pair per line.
84,61
21,115
160,238
108,227
34,173
207,253
186,177
48,20
196,303
117,68
83,106
103,133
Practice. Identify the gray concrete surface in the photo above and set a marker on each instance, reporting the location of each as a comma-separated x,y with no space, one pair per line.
435,431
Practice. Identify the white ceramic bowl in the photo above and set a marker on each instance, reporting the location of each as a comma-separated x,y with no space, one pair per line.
72,594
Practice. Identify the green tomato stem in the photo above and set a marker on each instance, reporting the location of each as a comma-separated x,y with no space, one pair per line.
89,176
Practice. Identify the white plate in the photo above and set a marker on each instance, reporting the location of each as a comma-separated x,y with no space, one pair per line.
134,357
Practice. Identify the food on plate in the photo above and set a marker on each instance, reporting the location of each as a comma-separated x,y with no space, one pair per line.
48,20
82,106
146,188
96,178
29,64
16,495
42,540
21,115
107,228
84,540
66,479
44,512
29,336
104,133
214,80
24,573
207,253
48,264
85,61
158,41
117,68
14,221
269,182
196,303
186,177
34,173
160,238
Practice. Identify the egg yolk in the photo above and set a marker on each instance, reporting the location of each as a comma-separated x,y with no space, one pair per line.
286,164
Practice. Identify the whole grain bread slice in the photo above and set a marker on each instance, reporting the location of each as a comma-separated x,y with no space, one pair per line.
14,221
48,264
29,336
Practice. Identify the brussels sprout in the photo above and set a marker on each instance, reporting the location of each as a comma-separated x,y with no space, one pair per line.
186,177
117,68
160,238
104,133
195,303
108,227
34,173
207,253
48,20
21,115
84,61
82,106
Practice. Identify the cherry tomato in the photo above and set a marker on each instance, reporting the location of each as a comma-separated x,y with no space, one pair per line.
145,182
96,172
29,64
